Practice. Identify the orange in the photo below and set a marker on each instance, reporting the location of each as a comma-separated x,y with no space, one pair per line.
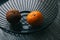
13,16
35,18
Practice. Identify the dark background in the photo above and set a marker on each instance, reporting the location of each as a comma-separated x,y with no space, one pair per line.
51,33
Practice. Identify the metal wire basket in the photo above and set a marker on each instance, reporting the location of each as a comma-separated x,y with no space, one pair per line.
48,8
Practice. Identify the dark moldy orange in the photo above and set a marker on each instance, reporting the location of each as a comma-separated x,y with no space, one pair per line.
13,16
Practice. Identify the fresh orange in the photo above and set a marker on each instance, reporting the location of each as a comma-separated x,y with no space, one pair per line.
35,18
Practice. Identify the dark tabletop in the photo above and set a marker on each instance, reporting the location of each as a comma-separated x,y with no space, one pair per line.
51,33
